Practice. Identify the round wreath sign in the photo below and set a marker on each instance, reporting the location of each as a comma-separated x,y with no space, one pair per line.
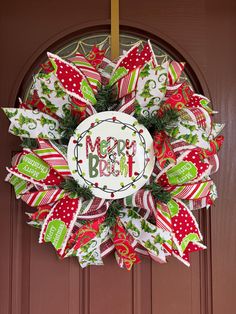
116,156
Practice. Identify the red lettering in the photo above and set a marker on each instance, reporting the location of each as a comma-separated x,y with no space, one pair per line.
103,165
92,148
131,145
130,164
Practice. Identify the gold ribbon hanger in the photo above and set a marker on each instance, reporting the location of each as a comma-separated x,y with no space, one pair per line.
115,30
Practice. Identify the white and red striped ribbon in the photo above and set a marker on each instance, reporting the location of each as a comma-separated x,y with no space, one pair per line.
44,197
174,72
50,153
88,70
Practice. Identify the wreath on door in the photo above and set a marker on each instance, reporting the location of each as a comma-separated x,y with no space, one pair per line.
116,157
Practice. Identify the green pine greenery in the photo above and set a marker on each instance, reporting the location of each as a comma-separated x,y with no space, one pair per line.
156,123
159,193
71,186
105,99
113,212
29,143
68,124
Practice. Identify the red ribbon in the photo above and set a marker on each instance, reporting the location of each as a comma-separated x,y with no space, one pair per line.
162,149
126,253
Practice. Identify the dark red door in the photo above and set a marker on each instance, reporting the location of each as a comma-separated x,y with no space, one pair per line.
33,280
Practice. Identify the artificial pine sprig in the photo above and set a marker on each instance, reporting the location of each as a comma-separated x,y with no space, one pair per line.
71,186
104,99
159,193
158,123
113,212
29,143
68,124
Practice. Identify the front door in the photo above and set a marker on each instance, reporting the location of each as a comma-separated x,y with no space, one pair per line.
33,279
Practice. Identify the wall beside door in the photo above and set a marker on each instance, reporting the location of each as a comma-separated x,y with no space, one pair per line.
33,280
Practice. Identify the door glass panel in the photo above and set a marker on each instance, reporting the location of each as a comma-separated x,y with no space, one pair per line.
102,40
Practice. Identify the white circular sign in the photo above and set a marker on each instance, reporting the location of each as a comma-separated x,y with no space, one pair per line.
112,154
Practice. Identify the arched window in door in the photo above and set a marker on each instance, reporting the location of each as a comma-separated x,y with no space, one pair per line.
84,44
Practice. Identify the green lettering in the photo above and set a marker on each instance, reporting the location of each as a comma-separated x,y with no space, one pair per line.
123,166
93,161
103,147
120,147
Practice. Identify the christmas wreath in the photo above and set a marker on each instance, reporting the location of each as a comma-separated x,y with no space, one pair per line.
116,156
